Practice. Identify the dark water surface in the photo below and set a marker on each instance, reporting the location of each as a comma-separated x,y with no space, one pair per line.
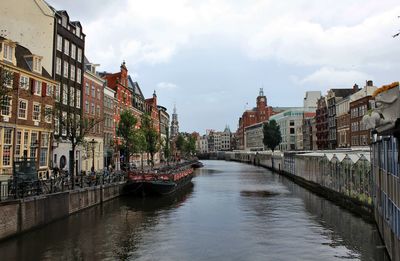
232,212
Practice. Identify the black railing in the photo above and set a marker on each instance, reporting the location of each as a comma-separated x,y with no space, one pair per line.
15,188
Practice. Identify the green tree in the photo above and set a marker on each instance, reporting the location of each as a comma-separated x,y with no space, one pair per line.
151,136
180,142
190,145
126,132
272,135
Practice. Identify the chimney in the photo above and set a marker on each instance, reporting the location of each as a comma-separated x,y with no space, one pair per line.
355,88
370,83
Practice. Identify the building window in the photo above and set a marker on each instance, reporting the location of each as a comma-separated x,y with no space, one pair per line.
49,90
24,82
79,55
93,109
98,94
8,52
18,145
38,88
65,94
7,146
48,113
56,125
9,82
93,92
72,72
78,99
37,64
58,66
22,109
44,144
98,111
71,97
87,89
66,47
87,107
59,43
65,69
34,144
78,75
64,125
6,106
36,112
57,92
73,51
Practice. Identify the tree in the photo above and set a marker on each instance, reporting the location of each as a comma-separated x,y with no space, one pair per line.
272,135
190,145
76,127
151,137
6,80
167,146
180,142
126,132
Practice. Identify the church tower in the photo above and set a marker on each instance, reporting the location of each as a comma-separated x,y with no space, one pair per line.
261,99
174,124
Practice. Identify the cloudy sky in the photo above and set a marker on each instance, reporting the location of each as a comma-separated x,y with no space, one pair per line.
210,57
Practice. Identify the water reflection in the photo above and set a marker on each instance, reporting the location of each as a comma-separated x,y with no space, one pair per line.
233,212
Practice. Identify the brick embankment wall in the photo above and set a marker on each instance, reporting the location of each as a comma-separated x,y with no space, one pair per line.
18,216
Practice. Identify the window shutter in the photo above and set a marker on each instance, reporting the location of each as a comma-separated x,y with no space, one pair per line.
44,85
32,81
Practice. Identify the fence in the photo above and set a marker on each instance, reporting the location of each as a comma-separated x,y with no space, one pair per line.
12,189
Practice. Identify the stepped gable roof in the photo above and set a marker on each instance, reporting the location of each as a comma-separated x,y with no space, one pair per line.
21,53
134,86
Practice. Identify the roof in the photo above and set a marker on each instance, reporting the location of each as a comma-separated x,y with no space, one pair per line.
21,53
134,86
342,92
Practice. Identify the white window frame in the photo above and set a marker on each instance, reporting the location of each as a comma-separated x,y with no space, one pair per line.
73,51
37,88
24,82
87,108
65,94
57,92
72,75
59,42
26,109
49,90
58,66
72,97
66,65
34,118
8,52
79,58
78,75
78,99
66,47
9,98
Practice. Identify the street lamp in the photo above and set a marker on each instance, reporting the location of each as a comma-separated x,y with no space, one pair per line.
93,144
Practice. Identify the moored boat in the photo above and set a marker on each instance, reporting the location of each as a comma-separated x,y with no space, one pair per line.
160,181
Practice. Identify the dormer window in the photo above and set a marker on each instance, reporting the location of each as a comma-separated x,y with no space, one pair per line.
37,64
8,52
64,21
78,31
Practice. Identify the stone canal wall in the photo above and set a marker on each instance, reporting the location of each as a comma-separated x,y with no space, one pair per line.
21,215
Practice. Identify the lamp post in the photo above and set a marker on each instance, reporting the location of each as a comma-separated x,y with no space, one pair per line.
93,144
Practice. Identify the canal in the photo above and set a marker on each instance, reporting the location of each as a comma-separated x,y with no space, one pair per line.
233,211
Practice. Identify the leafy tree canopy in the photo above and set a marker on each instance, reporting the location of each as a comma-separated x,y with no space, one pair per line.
272,135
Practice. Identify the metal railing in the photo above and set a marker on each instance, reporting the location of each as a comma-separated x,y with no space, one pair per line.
60,182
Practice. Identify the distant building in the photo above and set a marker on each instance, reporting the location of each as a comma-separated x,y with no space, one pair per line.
333,96
359,106
343,122
109,127
321,117
311,99
174,124
289,122
260,113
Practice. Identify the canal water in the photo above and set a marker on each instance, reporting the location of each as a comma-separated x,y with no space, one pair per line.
233,211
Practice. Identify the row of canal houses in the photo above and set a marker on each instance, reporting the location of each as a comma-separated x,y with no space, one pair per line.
44,52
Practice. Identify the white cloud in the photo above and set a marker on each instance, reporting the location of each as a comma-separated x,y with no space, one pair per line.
328,77
166,86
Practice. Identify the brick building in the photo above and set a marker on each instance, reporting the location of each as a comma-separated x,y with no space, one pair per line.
321,116
343,123
260,113
109,127
359,105
26,122
93,110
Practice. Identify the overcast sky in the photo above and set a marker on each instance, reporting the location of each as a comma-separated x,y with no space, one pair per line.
210,57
